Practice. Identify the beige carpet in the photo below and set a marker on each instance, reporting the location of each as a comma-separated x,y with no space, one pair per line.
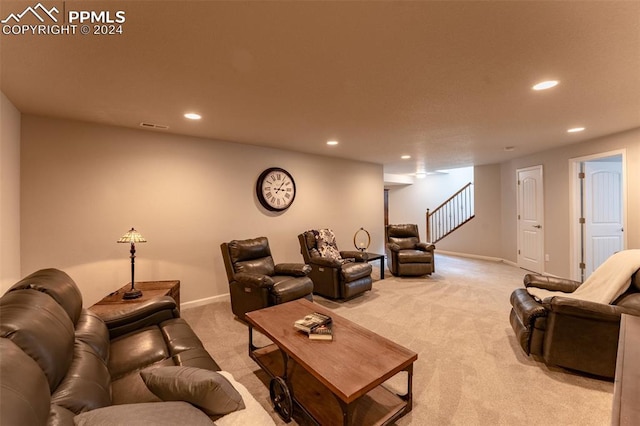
470,369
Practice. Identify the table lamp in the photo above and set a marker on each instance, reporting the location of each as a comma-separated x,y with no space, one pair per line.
132,236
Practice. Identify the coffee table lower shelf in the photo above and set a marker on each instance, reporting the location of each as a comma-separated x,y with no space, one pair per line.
380,406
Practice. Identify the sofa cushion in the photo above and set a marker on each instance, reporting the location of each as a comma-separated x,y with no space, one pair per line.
288,288
179,336
56,284
207,390
41,328
137,350
150,413
24,388
130,389
92,330
353,271
414,256
196,357
87,385
629,300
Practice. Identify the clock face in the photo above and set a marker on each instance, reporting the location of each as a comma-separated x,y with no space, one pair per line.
276,189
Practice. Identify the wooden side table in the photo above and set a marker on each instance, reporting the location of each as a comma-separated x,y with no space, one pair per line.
375,256
150,289
626,388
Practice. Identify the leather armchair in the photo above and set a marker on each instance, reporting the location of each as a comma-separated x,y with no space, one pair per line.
406,255
343,275
256,282
571,333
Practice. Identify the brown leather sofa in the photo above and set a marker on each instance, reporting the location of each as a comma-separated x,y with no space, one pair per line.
571,333
334,278
58,360
256,282
406,255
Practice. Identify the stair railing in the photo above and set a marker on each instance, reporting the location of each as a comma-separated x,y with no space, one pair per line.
451,215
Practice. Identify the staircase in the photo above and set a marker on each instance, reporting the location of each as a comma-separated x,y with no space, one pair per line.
451,214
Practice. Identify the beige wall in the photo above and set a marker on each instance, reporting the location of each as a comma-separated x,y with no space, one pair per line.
492,232
557,195
85,185
409,203
9,193
481,236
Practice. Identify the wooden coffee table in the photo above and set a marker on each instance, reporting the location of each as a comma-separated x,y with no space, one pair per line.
331,382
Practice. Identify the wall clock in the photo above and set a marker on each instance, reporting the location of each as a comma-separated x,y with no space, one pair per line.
276,189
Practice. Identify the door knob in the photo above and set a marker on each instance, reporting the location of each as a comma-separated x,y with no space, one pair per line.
537,226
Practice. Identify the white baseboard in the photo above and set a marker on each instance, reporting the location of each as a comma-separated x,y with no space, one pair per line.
225,296
472,256
488,258
205,301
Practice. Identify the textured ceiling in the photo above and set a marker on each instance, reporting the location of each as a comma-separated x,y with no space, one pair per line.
448,83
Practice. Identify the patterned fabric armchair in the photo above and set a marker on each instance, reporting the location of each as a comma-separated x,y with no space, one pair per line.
336,274
406,255
256,282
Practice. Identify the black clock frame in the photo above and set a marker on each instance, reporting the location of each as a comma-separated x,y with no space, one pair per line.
261,198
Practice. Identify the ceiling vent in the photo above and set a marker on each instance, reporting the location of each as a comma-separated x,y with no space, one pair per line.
153,126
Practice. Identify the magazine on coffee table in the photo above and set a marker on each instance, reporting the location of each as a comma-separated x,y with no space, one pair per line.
322,332
311,321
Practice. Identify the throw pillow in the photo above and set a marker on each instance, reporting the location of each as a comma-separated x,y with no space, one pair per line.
207,390
326,243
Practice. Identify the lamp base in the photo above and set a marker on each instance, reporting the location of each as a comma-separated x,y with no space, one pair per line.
132,294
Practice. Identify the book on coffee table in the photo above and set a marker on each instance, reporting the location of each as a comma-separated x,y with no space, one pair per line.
311,321
322,332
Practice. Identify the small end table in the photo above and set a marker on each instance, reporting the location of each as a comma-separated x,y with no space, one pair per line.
374,256
150,289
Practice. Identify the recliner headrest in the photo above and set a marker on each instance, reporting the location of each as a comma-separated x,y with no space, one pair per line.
254,248
403,231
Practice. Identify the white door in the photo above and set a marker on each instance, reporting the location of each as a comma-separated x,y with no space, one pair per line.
530,219
602,212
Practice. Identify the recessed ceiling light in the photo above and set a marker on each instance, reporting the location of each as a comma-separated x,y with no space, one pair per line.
543,85
193,116
405,157
332,142
575,130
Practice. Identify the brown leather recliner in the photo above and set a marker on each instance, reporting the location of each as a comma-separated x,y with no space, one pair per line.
406,255
256,282
344,275
571,333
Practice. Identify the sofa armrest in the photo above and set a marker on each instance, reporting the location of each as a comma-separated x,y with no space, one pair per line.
526,307
254,280
551,283
292,269
393,247
586,309
425,247
359,256
139,315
